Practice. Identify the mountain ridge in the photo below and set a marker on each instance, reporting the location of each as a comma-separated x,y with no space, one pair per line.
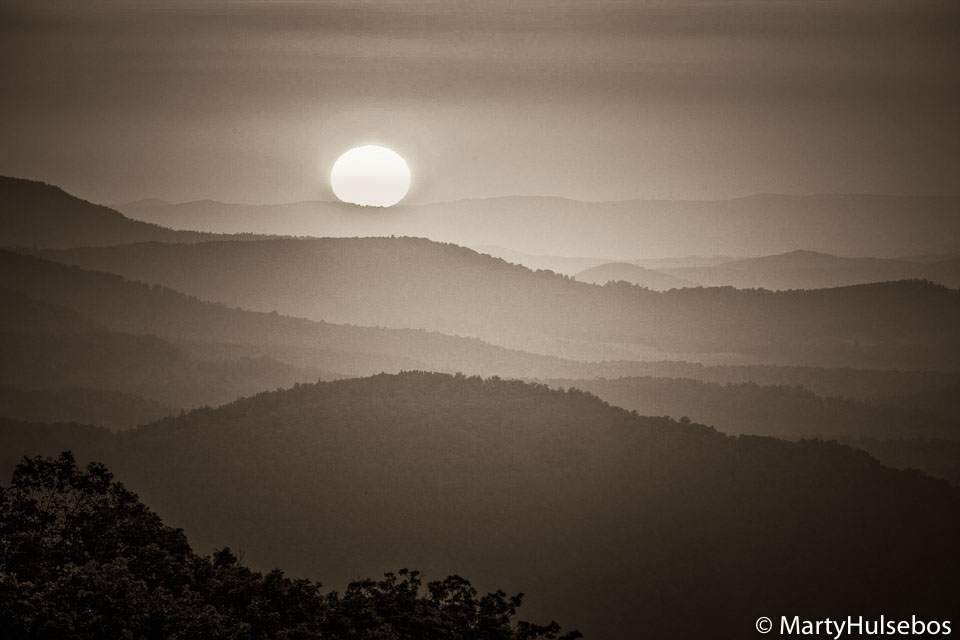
38,214
111,303
805,269
418,283
634,274
542,225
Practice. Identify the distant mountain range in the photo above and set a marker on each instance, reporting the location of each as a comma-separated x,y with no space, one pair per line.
416,283
94,333
558,264
622,523
37,215
626,272
99,321
48,298
792,412
77,350
793,270
799,269
812,270
846,225
572,265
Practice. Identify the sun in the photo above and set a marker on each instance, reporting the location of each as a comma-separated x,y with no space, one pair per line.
371,176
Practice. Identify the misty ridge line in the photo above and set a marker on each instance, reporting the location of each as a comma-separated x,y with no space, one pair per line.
159,202
270,353
417,283
72,286
414,362
35,195
84,290
287,357
619,231
360,281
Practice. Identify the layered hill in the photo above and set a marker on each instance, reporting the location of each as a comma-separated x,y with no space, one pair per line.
920,431
858,225
926,389
57,364
35,214
416,283
566,265
151,347
620,522
626,272
107,303
19,312
812,270
142,366
212,332
771,410
114,410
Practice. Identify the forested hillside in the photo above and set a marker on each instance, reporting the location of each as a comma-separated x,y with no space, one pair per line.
525,487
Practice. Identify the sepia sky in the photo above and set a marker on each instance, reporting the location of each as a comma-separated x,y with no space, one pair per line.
253,101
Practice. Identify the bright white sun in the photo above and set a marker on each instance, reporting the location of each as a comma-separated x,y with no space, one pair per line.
371,176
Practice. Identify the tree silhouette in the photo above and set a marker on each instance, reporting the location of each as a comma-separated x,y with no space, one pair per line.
82,557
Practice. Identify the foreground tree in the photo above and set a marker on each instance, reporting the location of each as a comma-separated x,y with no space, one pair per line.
82,557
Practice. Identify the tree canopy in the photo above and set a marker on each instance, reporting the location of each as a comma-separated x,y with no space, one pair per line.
82,557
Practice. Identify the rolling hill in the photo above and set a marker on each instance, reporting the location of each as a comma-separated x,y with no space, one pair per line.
566,265
35,214
160,345
769,410
114,410
138,365
900,432
619,522
19,312
58,365
812,270
626,272
210,331
854,225
920,389
416,283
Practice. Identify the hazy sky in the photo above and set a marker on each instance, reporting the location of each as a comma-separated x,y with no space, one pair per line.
253,101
